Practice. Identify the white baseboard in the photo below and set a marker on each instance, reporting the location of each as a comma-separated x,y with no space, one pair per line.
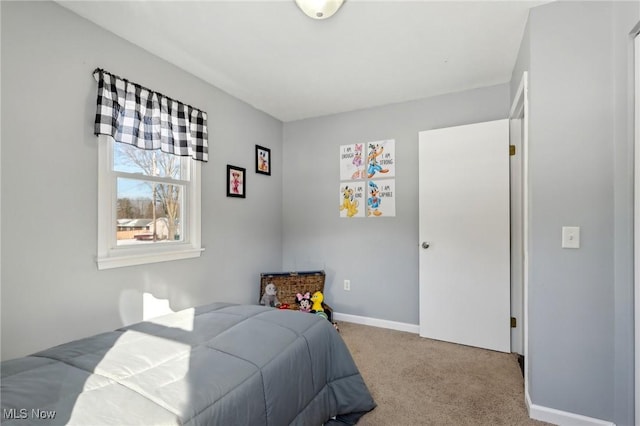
375,322
562,418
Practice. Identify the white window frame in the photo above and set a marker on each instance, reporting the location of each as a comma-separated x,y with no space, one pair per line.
110,255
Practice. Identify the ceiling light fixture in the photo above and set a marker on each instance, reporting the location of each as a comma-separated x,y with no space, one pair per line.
319,9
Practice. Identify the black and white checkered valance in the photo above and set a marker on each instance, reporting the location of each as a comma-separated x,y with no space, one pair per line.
135,115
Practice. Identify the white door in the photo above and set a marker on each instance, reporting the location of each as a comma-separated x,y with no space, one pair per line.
464,235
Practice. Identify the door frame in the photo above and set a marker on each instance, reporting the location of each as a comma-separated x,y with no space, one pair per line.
636,224
520,110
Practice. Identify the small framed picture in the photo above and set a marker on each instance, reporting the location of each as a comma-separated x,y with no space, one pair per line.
236,183
263,160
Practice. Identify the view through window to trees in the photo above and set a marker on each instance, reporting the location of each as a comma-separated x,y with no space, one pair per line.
150,190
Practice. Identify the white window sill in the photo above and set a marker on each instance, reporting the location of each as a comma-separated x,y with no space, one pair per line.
119,261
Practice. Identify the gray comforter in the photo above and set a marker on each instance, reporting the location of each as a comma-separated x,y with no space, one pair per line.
219,364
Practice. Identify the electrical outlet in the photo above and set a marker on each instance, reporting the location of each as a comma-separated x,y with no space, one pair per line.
347,285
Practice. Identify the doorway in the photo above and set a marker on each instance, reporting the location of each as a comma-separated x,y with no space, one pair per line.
519,136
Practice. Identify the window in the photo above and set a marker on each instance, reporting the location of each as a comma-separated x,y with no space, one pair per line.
149,205
150,150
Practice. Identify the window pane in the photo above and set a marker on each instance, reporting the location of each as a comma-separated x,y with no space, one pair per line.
140,220
130,159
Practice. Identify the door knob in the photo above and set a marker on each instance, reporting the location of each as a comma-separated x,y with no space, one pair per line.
425,245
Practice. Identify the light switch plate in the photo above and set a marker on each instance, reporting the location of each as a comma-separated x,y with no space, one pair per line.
570,237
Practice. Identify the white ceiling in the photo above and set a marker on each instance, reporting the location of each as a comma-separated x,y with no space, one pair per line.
371,53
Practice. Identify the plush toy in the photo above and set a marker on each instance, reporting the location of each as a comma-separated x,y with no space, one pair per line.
317,299
304,302
318,308
270,298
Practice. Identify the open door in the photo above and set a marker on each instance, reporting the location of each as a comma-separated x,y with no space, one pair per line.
464,235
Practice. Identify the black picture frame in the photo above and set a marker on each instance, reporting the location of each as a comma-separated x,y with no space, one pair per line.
236,181
263,160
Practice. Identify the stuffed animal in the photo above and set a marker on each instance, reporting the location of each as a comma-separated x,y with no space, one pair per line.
318,308
304,302
317,299
270,298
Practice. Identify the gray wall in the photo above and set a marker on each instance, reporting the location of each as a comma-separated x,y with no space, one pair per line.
522,62
52,291
580,301
378,255
581,311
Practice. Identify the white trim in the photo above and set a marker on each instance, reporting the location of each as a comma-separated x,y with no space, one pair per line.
520,108
376,322
140,259
558,417
108,254
518,100
636,226
0,181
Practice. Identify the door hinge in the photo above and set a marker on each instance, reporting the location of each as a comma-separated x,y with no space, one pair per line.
512,150
513,322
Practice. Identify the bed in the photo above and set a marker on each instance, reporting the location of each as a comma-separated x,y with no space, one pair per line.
220,364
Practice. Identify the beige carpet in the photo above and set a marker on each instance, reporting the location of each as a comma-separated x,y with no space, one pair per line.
417,381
